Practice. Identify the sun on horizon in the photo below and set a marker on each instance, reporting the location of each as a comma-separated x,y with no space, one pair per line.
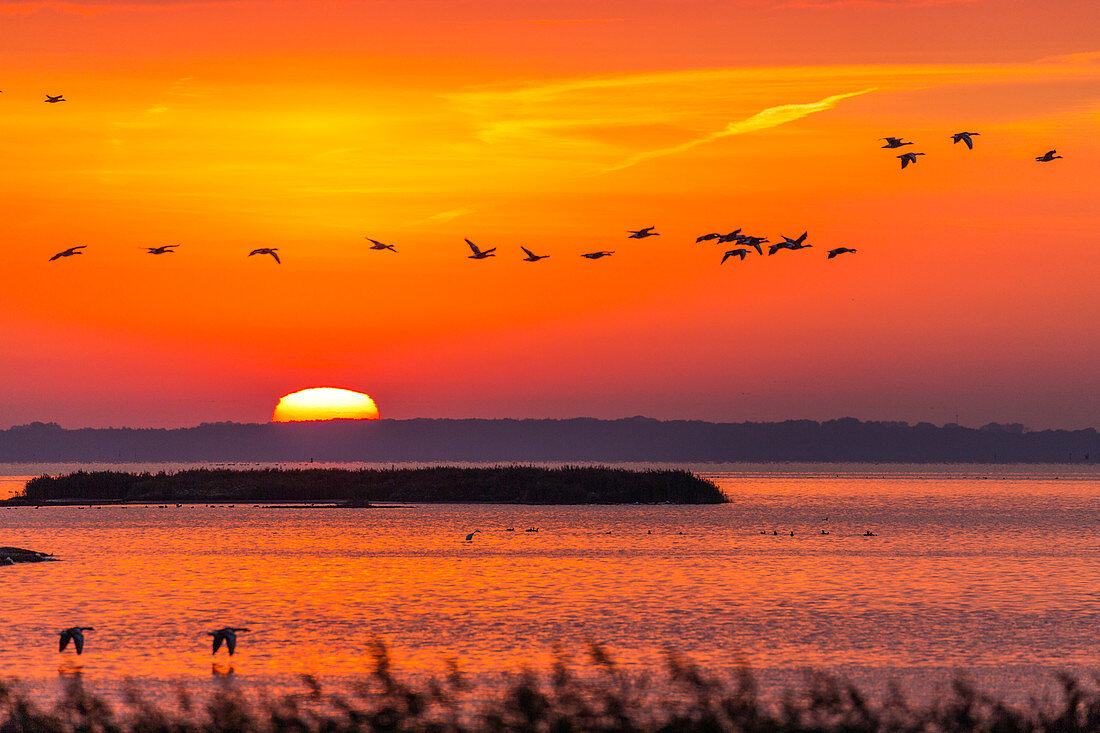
325,403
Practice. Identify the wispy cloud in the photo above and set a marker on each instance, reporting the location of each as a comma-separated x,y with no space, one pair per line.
872,3
570,21
1085,57
771,117
449,215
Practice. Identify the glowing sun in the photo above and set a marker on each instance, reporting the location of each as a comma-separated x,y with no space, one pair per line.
325,403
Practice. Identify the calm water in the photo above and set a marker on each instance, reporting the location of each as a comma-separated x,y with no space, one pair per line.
994,571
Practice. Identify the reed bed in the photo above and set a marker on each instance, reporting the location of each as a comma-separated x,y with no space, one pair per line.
678,697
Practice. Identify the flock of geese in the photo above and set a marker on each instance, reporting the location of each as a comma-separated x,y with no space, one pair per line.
75,634
893,143
743,241
735,237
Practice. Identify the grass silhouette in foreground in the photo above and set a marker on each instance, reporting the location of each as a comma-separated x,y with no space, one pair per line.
500,484
682,698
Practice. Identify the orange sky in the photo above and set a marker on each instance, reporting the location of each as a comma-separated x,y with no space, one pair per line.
227,126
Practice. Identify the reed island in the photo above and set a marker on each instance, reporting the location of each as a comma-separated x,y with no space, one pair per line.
357,488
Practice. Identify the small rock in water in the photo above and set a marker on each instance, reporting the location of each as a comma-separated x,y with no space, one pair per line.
13,555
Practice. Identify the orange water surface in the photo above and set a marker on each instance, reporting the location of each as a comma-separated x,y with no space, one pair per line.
991,570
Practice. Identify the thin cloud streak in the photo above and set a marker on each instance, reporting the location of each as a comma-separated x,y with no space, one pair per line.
771,117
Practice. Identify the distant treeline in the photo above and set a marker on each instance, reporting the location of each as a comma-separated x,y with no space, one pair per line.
504,484
636,439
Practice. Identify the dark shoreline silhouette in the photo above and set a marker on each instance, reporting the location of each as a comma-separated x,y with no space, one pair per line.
503,485
636,439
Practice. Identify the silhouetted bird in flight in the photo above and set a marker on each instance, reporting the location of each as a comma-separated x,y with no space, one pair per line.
375,244
163,250
267,251
734,253
643,233
893,142
707,237
838,251
55,100
597,255
228,635
965,137
734,236
480,254
69,252
789,243
531,256
754,242
908,158
1048,156
76,636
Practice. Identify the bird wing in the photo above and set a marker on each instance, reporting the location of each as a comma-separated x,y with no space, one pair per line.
904,161
759,251
217,643
473,247
78,642
529,252
273,254
969,143
726,256
60,254
64,641
231,643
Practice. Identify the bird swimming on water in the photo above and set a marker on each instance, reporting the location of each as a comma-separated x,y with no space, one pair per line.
162,250
470,537
69,252
76,636
267,251
965,137
642,233
531,256
480,254
908,158
228,635
839,251
1048,156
